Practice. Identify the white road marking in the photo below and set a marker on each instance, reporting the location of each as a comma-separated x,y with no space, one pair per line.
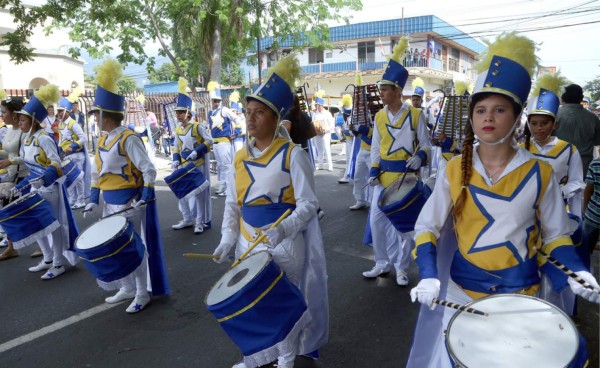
55,326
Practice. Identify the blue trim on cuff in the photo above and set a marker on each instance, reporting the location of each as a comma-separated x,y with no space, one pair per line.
567,255
148,194
50,175
176,157
75,147
95,195
426,259
201,150
374,172
423,156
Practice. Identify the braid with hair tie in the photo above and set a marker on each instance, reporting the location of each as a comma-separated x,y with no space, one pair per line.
466,165
527,134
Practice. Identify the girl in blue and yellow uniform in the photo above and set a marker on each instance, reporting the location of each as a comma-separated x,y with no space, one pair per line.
270,176
503,202
40,154
192,143
124,173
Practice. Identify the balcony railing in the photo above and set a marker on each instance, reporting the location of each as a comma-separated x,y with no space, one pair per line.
347,66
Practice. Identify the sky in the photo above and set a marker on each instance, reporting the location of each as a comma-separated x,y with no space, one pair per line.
555,25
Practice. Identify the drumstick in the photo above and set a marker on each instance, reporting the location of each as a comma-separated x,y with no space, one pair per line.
199,255
121,211
462,308
261,238
378,175
567,270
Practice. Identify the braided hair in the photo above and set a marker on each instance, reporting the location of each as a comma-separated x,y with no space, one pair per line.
466,162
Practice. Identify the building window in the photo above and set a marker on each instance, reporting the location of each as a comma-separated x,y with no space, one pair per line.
454,60
315,56
329,55
366,52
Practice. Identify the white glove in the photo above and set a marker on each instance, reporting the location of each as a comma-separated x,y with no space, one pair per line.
36,183
373,181
222,251
192,156
566,191
175,165
274,236
89,208
425,291
414,163
138,205
15,192
588,294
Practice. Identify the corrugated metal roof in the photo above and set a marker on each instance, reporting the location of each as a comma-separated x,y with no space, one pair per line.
166,87
393,27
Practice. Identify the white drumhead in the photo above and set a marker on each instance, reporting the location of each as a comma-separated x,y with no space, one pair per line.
101,232
395,193
65,162
236,278
520,331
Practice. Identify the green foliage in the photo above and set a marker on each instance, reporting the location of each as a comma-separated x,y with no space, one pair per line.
127,85
165,73
234,77
593,87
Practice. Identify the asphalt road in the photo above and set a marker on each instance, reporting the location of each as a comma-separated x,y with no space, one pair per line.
64,322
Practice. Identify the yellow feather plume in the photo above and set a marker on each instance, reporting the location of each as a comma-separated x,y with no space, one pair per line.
48,94
400,49
418,82
460,87
288,68
193,106
212,85
3,94
347,101
358,81
550,81
75,94
320,93
182,85
234,96
141,99
471,87
108,75
585,94
512,46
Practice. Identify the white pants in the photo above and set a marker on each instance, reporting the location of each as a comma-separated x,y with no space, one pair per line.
224,156
348,149
390,247
324,148
362,192
76,190
194,207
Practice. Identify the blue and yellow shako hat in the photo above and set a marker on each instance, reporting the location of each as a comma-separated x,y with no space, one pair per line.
36,107
184,102
234,101
544,97
395,74
506,67
419,87
320,97
347,104
277,90
587,97
108,75
66,103
214,90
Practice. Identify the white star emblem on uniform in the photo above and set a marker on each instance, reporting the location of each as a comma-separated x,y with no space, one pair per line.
110,166
187,140
516,211
402,137
268,181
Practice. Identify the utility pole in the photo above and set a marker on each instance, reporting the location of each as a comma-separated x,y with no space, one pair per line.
258,57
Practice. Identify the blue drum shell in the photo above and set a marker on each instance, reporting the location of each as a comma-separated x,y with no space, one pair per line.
23,219
184,180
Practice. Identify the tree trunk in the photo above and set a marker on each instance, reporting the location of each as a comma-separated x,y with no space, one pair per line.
215,67
163,44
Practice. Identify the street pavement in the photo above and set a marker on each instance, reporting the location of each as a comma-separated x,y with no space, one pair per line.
65,323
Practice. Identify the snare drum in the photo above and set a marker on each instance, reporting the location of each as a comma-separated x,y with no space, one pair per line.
187,181
28,218
110,248
520,331
403,203
259,309
71,171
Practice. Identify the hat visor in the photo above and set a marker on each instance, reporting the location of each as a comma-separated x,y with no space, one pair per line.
23,112
96,108
541,112
499,91
265,102
182,109
384,82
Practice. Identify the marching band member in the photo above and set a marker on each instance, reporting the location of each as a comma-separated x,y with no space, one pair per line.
73,143
124,173
270,176
39,152
240,126
10,160
323,121
418,93
222,122
400,144
348,139
192,143
503,202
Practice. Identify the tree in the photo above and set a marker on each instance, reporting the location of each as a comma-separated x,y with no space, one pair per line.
231,75
127,85
165,73
209,33
593,87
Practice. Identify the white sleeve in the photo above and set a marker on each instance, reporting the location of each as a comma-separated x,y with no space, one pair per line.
375,155
205,134
437,208
50,149
232,213
229,114
553,217
139,157
575,185
81,135
303,183
423,134
3,134
94,172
